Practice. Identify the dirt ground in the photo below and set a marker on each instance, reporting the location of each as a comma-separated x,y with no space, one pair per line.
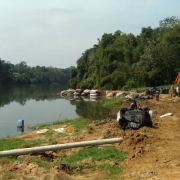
153,153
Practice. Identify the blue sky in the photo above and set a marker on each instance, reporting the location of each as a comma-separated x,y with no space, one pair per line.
56,32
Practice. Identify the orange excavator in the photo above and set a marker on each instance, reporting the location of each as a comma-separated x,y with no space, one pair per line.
174,89
178,79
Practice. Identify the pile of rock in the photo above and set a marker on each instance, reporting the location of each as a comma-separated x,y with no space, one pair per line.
92,93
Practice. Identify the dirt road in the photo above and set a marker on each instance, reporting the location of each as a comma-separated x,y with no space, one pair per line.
153,153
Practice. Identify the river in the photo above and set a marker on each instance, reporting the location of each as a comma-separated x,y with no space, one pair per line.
38,104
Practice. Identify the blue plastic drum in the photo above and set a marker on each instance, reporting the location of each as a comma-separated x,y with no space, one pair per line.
20,123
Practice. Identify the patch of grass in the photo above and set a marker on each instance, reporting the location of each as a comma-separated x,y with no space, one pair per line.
8,175
10,143
97,154
62,154
41,126
58,135
44,164
78,124
113,171
106,137
15,143
33,143
9,159
139,89
31,179
112,103
48,133
106,153
51,137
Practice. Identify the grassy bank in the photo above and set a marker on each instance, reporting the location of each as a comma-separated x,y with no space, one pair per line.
77,125
101,158
112,103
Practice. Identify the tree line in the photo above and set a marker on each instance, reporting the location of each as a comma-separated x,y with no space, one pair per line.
117,61
21,73
125,61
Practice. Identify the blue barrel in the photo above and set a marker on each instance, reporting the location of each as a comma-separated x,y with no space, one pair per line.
20,123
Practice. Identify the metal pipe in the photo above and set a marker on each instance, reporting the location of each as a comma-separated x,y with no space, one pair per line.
59,147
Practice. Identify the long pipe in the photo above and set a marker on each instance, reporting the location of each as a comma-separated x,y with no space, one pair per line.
59,147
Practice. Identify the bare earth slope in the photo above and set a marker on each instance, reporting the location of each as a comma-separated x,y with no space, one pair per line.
153,153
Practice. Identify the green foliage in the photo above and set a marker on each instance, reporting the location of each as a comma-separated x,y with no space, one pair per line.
15,143
86,84
41,163
33,143
112,103
8,175
10,143
125,61
130,85
96,154
78,124
150,59
21,73
72,83
22,79
6,72
113,171
169,22
10,159
106,153
105,80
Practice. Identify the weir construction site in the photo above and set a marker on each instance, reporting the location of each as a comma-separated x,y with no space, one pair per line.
153,152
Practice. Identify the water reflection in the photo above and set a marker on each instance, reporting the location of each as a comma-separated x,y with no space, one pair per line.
39,104
91,110
82,98
88,107
20,130
22,93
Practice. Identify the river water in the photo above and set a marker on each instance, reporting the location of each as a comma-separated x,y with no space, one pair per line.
38,104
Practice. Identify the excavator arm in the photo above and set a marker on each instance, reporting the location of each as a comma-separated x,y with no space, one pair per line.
178,78
174,89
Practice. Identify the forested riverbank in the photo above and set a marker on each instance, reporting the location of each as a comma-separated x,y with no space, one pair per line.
124,61
118,61
21,73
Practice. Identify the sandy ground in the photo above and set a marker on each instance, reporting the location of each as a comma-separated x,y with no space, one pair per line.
153,153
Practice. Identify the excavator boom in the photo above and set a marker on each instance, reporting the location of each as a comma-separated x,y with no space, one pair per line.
174,89
178,78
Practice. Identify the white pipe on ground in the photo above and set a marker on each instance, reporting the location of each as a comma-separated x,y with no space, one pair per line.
59,147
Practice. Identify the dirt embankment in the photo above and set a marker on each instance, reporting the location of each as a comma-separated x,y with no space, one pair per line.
153,153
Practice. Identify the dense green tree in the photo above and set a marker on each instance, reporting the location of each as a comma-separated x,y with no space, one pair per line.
21,73
6,72
117,61
122,60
